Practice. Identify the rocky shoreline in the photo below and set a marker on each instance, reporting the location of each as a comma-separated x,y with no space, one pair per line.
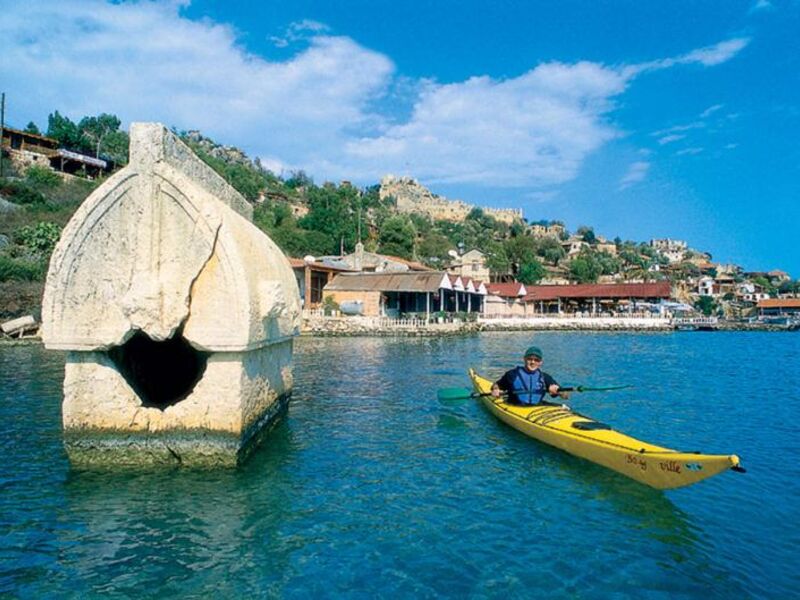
363,326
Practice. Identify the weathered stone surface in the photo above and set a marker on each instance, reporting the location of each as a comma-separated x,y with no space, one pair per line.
165,248
129,259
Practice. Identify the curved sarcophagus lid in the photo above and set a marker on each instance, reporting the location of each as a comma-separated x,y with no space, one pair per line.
166,245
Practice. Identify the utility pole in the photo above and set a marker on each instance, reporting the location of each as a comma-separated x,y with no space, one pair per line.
2,128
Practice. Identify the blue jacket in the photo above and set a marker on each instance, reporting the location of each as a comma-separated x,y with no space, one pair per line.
525,387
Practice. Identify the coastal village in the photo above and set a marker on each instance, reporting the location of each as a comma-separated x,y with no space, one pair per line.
658,284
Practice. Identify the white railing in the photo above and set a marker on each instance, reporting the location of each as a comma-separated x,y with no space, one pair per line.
319,312
390,322
637,315
695,321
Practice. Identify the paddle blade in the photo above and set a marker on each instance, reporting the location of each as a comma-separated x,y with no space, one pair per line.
454,393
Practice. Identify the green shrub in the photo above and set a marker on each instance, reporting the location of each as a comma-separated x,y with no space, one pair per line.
19,269
21,193
40,238
42,178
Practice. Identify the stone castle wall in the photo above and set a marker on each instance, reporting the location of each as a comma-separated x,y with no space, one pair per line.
413,197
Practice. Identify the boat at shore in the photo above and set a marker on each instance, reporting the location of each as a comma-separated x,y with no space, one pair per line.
582,436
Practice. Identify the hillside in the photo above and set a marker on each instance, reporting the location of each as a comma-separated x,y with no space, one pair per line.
398,217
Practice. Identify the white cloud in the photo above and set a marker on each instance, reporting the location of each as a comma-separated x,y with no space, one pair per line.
689,151
668,139
710,111
637,172
708,57
762,5
536,128
298,31
325,108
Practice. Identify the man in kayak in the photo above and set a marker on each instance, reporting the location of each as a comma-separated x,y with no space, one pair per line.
527,384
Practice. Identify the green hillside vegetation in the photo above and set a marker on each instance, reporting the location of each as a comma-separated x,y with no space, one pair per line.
304,218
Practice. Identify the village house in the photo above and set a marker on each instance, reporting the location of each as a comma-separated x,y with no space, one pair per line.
553,230
574,245
777,276
668,244
606,246
706,286
26,149
470,264
361,260
393,294
505,299
750,292
312,276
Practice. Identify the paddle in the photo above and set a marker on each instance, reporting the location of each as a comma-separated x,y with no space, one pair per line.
459,394
465,393
584,388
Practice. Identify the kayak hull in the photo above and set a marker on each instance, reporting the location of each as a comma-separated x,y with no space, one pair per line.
555,425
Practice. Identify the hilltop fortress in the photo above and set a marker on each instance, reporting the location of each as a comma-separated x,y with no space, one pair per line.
413,197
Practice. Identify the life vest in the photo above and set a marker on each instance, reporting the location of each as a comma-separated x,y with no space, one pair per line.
528,388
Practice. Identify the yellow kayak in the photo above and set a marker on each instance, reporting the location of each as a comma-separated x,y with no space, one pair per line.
661,468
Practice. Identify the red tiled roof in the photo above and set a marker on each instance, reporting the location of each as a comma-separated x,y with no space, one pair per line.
509,289
659,289
779,303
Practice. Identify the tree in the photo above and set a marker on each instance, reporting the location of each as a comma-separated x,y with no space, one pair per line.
531,272
587,234
521,250
706,305
96,129
32,128
550,250
332,211
585,268
496,258
397,237
433,249
63,130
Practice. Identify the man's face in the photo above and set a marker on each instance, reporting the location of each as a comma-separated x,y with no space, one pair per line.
532,362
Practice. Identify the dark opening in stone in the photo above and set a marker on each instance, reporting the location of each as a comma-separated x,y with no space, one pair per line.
161,373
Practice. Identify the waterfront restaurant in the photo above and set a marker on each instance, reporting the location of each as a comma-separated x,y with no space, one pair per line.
506,299
595,298
779,307
396,293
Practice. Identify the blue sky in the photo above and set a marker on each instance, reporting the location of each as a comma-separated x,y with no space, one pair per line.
642,119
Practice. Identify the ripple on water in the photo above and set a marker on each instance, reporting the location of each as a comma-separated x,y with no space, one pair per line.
372,487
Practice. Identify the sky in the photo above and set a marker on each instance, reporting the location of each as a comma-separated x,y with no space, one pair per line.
642,119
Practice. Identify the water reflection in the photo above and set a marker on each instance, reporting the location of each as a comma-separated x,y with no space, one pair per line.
178,530
371,487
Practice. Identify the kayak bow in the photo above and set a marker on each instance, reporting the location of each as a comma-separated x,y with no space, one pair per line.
558,426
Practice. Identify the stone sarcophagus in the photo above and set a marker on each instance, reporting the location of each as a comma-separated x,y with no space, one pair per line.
176,312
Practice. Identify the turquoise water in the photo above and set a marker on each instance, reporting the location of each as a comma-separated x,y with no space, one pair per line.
372,488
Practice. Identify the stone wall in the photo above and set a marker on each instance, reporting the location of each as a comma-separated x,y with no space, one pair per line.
412,197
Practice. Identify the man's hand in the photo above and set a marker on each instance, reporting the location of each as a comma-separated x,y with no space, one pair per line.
554,391
496,391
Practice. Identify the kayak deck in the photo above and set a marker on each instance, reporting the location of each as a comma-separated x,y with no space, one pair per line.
553,424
